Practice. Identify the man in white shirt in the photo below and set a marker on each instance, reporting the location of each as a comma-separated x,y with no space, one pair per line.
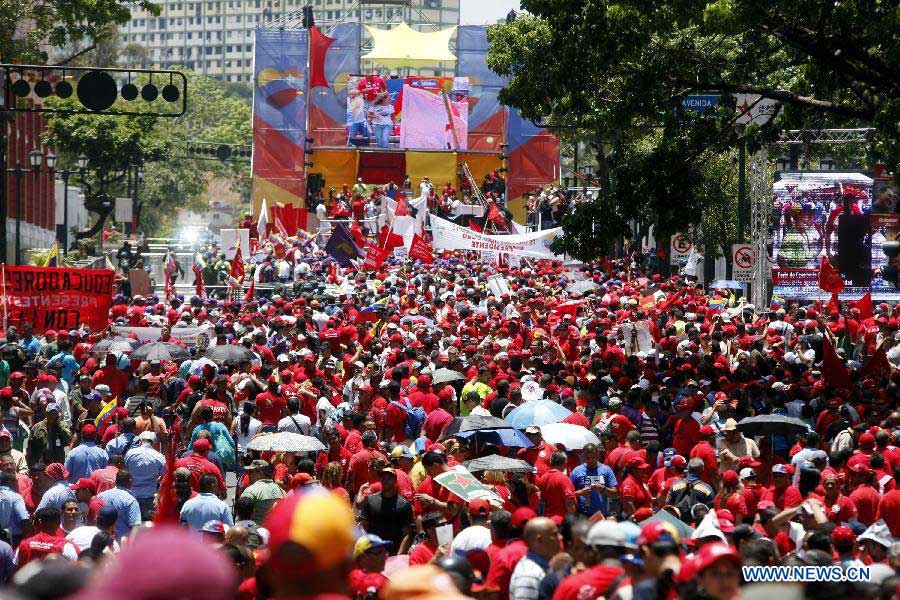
295,422
84,535
542,538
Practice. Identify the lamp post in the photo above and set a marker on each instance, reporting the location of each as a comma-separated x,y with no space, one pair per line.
36,159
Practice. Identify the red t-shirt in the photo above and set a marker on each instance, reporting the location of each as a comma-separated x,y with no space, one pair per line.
707,454
116,380
270,408
556,489
502,565
362,582
40,546
789,498
733,502
422,553
591,583
841,510
538,456
889,510
105,478
685,435
198,466
866,500
636,491
220,411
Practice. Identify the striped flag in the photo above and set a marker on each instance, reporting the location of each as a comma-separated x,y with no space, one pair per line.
236,276
106,413
52,256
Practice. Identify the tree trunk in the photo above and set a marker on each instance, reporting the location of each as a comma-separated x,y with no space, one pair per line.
94,229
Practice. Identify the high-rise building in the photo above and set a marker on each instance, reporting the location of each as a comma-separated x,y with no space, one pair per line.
215,37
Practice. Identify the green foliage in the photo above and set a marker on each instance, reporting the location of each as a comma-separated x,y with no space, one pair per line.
171,180
615,72
39,257
26,28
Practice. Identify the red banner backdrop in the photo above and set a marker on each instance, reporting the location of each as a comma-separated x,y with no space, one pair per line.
55,298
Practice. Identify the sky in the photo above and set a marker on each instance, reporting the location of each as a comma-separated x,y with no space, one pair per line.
483,12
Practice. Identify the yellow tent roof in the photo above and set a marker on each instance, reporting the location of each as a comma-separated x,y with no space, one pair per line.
403,46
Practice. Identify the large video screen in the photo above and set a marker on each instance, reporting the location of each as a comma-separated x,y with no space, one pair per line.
415,113
832,215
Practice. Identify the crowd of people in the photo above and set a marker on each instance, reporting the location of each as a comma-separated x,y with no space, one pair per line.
130,478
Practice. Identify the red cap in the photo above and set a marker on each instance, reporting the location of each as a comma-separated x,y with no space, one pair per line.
85,483
843,535
712,553
479,506
88,431
678,461
202,445
748,461
658,531
730,478
706,430
636,462
522,515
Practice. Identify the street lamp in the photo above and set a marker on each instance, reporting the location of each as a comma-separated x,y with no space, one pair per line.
36,158
51,161
82,162
826,163
783,163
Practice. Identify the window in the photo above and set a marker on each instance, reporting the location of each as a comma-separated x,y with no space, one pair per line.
229,49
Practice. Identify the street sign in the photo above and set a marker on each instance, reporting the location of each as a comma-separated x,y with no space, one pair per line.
752,108
680,248
699,102
742,259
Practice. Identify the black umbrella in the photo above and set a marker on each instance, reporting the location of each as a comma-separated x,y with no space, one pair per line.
495,462
161,351
230,354
772,425
474,423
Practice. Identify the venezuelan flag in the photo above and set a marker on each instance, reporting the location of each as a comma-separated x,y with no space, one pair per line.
233,282
106,413
52,256
717,303
198,261
777,301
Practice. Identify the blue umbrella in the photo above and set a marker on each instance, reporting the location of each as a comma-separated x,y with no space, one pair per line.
725,284
537,412
512,438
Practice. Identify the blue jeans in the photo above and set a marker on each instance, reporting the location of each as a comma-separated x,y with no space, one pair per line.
382,135
357,129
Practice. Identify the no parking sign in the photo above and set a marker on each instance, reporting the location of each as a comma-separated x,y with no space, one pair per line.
681,247
742,259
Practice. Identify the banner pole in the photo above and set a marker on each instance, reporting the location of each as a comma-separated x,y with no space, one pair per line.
5,307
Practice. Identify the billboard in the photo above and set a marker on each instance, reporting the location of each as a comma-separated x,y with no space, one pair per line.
415,113
828,214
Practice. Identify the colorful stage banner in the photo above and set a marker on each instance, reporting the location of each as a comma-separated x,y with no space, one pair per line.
450,236
533,157
328,105
487,118
55,298
433,121
279,116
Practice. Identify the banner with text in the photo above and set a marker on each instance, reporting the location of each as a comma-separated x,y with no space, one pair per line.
188,335
450,236
55,298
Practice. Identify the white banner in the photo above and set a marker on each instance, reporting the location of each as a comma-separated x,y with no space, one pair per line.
230,240
450,236
188,335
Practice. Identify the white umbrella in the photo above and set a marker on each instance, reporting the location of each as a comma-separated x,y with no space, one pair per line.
285,441
570,436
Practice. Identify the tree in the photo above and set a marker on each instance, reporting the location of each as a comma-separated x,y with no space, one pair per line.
616,72
27,28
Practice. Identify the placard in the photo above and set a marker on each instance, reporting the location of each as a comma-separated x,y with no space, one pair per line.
140,282
56,298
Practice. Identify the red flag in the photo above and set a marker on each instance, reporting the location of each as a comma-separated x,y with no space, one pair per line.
568,308
474,226
170,287
402,208
878,367
421,250
250,296
374,258
495,216
389,240
318,48
237,269
648,302
333,273
834,371
834,305
866,309
199,281
671,300
829,278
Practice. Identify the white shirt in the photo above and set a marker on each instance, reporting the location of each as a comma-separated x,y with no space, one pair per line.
525,580
84,535
295,424
475,537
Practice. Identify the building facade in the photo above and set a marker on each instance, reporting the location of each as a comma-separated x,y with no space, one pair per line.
215,37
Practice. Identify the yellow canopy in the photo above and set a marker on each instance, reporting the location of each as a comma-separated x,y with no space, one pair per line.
403,46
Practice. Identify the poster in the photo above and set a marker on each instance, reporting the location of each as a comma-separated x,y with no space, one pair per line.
139,280
230,240
831,214
57,298
636,337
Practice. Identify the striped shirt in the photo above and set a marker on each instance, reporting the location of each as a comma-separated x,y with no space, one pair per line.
527,576
649,431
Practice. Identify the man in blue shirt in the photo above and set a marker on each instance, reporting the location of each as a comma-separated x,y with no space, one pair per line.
206,506
86,457
31,344
66,361
123,501
58,493
125,441
13,514
146,466
593,482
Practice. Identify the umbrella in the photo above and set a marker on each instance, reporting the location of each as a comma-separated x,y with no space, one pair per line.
495,462
569,435
581,287
196,367
725,284
537,412
474,423
161,351
230,354
684,530
115,344
285,441
772,425
512,438
446,376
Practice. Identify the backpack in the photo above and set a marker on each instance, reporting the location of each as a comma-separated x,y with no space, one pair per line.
685,503
415,418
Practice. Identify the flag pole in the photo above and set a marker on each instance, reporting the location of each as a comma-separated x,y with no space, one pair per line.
5,305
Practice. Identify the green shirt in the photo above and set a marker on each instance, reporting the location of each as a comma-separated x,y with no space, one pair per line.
264,493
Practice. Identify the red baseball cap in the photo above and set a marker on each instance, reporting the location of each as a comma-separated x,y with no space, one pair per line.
85,483
706,430
657,531
479,506
522,515
843,535
712,553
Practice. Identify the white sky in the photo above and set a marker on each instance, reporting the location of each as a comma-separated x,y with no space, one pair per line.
484,12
